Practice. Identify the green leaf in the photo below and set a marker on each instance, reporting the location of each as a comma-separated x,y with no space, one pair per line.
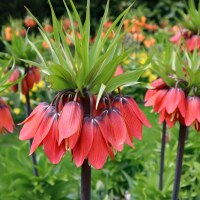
77,17
6,76
128,78
58,70
101,91
58,83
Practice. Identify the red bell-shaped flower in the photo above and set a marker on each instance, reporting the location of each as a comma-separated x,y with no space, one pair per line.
6,121
41,125
132,115
173,107
192,116
70,123
113,128
91,145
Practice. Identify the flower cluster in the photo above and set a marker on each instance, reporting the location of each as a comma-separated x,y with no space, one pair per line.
32,76
73,123
173,104
190,40
6,121
138,26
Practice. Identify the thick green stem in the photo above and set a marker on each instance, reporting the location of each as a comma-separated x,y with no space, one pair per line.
179,160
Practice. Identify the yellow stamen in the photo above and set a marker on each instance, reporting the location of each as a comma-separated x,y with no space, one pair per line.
172,117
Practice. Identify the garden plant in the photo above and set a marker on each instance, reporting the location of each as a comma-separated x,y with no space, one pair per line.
81,77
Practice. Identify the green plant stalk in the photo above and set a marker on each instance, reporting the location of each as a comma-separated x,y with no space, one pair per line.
179,161
85,181
162,156
33,156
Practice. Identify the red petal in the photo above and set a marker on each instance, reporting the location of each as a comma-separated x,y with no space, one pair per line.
84,144
30,79
119,70
53,151
133,123
30,127
159,99
135,108
128,140
70,120
42,131
114,129
156,99
192,113
158,83
175,39
6,119
171,101
36,72
98,153
24,86
73,139
149,94
101,125
182,104
39,108
164,116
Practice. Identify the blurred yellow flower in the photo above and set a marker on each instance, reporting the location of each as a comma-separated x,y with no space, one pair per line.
23,98
146,73
152,77
34,89
17,111
133,55
41,84
11,102
142,58
128,61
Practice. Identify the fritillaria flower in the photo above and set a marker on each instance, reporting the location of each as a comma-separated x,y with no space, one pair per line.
131,113
70,123
92,144
32,76
41,125
192,116
173,107
6,121
170,103
64,125
82,115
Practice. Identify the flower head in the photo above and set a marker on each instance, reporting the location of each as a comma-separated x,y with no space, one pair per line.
192,112
91,144
6,121
41,125
132,115
70,123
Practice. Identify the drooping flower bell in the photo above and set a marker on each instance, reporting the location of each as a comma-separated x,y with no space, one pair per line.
66,125
92,144
192,116
131,113
41,125
6,121
170,103
32,76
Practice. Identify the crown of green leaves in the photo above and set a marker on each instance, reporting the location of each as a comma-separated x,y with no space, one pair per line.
177,66
89,67
191,19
